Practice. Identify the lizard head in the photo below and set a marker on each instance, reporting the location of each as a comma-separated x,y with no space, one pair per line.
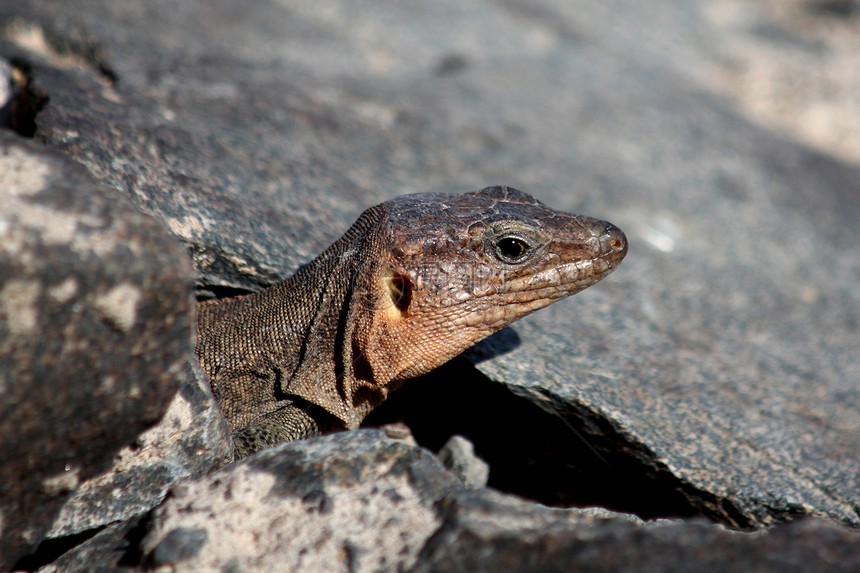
459,267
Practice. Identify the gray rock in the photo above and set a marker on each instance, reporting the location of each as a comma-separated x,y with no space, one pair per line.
191,439
364,502
101,553
458,456
6,91
355,501
485,531
95,330
180,544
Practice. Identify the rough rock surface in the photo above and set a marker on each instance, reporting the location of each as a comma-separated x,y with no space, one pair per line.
101,553
718,367
486,531
458,457
355,501
95,323
191,438
363,502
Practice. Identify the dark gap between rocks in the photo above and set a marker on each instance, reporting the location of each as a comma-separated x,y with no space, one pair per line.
842,9
19,113
50,550
210,292
578,461
133,556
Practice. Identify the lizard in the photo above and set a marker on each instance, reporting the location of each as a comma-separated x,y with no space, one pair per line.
413,283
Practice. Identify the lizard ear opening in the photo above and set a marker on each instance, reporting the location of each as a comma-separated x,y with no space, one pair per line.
400,292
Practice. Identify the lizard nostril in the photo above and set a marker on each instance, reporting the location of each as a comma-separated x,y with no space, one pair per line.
617,241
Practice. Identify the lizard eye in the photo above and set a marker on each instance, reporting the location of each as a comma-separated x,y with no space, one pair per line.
511,249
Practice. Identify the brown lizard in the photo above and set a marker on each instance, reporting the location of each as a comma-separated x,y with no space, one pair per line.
414,282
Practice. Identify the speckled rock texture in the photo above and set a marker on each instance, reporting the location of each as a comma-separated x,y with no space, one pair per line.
191,439
354,501
95,323
715,374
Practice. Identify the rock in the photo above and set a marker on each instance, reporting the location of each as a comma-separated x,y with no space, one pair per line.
191,439
101,553
95,331
364,502
486,531
400,432
6,91
458,457
350,501
766,46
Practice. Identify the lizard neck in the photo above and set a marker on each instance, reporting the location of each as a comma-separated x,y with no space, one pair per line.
332,370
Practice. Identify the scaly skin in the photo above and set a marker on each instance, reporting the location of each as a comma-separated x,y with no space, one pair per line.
413,283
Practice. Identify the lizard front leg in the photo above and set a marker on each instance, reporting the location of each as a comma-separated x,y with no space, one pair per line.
287,421
259,420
